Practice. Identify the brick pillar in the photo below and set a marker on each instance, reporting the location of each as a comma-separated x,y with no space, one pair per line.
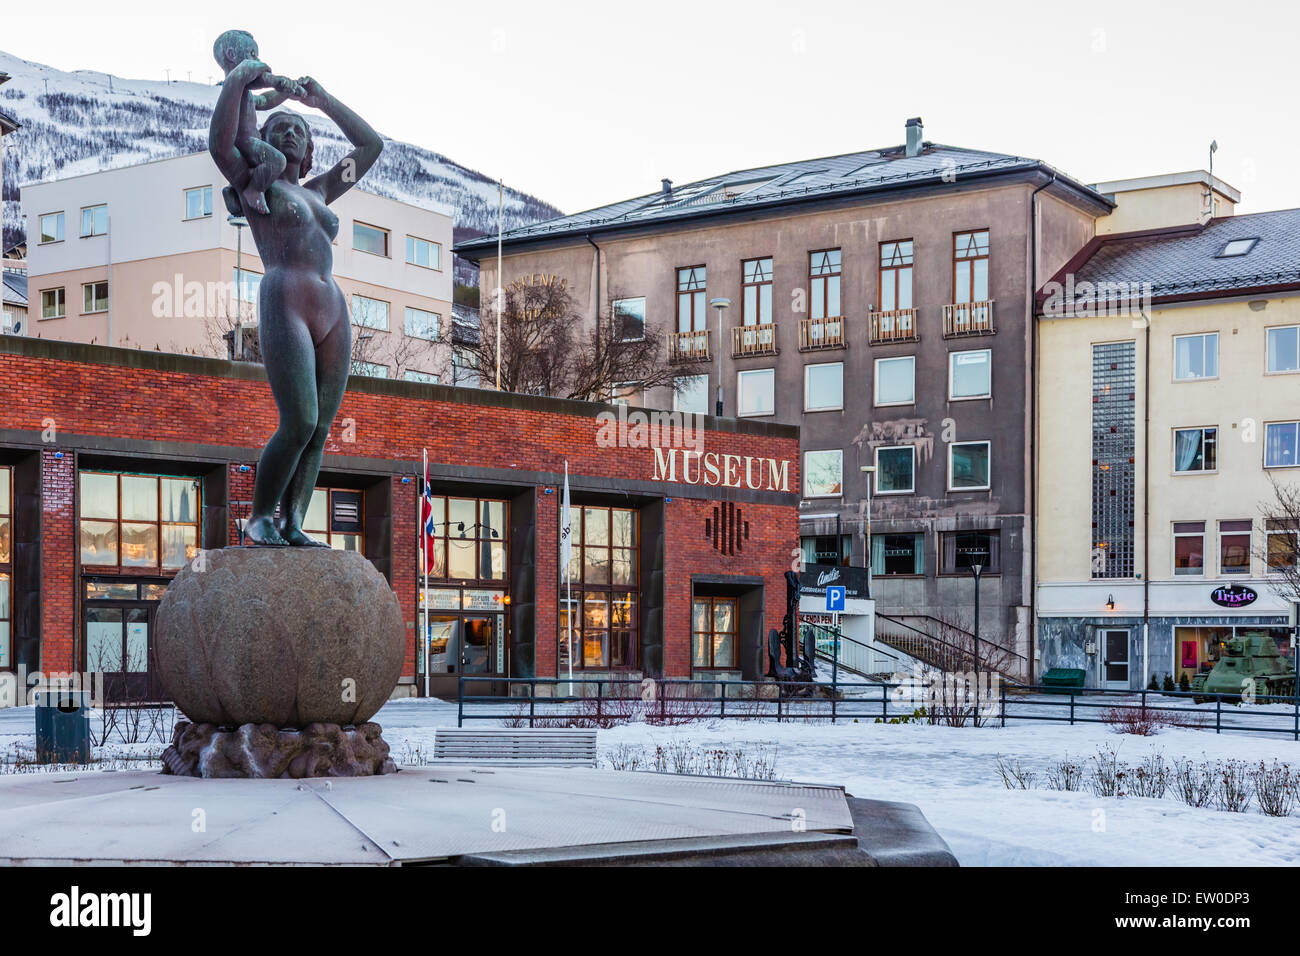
407,578
59,547
548,582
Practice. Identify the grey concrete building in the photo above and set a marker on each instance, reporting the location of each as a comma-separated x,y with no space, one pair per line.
881,300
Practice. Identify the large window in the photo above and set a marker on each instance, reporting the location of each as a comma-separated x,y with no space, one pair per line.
52,227
1196,450
691,305
691,394
369,239
603,575
970,266
896,381
336,516
756,392
962,550
421,324
6,565
1281,444
369,313
94,221
898,554
895,275
826,549
1283,349
1234,547
1189,547
1282,547
422,252
247,285
896,470
756,292
824,283
138,521
970,374
823,387
968,466
469,540
368,369
53,304
823,473
424,378
1196,356
629,319
198,202
714,626
94,297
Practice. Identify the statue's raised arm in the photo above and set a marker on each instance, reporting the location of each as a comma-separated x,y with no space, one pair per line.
368,144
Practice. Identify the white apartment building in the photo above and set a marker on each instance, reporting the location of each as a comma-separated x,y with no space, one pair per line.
145,257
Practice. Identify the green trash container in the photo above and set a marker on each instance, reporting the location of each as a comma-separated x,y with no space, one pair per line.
1063,680
62,726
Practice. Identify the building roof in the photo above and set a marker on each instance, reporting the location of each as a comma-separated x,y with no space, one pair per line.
15,287
7,123
1189,262
864,172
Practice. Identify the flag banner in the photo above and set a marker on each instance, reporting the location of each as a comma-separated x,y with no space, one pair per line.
427,518
566,526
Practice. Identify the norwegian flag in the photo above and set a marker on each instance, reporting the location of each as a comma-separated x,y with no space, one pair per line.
426,517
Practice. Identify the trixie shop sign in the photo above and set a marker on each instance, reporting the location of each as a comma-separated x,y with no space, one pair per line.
1233,595
717,469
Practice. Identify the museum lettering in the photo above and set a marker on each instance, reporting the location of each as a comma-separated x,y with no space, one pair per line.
727,470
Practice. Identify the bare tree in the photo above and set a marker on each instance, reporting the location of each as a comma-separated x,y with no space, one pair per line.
1280,548
548,348
396,351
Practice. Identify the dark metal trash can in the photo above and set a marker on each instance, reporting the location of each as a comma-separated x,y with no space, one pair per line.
62,726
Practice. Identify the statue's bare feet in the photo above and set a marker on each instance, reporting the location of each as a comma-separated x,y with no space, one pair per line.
298,538
262,533
255,200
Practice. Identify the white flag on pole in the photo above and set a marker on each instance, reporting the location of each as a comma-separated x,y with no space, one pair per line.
566,526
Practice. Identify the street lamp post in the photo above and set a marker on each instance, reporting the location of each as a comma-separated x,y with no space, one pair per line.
976,569
239,222
720,305
868,471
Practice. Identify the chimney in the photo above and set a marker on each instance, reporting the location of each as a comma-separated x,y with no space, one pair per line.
914,136
668,187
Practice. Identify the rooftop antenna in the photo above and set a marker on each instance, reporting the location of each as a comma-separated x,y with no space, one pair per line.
1214,148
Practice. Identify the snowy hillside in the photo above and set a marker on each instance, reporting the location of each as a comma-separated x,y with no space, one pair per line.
82,121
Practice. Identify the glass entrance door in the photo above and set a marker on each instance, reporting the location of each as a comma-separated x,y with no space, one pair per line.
119,643
482,643
1114,661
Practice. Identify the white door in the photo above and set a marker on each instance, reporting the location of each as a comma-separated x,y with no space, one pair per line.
1114,659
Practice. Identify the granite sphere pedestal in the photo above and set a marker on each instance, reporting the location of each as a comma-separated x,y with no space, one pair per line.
261,640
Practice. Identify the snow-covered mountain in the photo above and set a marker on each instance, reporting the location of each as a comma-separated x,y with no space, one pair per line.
81,121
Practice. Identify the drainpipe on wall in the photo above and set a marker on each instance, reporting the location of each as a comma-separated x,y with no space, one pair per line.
587,236
1146,503
108,224
1033,424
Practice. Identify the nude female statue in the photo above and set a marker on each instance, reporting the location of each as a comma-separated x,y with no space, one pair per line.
303,321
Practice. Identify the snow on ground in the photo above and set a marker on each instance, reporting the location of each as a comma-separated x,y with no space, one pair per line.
950,773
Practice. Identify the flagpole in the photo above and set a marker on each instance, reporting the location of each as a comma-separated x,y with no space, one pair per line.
568,581
424,564
500,290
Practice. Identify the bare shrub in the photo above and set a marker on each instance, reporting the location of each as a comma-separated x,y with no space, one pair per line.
1131,720
1276,788
1064,775
1150,778
1193,783
1232,786
625,757
1014,776
1108,776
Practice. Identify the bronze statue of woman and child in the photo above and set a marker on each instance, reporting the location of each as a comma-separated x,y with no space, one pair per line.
303,320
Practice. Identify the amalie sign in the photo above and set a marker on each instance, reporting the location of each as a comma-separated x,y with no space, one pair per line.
727,470
1233,595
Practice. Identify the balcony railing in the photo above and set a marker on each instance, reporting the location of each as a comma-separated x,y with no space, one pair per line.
968,318
897,325
827,333
688,346
753,340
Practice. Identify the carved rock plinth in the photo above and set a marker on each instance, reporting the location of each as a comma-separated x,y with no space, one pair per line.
264,750
289,637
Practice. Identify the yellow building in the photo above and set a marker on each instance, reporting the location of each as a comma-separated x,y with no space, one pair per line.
1168,403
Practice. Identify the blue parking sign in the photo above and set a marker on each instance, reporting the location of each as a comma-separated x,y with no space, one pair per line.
835,597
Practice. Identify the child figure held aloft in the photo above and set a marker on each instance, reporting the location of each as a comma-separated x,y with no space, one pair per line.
265,162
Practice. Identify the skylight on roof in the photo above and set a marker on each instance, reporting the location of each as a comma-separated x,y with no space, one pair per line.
1237,247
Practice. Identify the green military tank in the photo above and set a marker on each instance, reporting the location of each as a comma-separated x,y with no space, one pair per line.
1251,656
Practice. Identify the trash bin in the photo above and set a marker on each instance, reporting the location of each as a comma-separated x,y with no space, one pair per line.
1063,680
62,726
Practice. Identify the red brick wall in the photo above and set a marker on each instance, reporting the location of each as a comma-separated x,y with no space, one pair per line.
103,400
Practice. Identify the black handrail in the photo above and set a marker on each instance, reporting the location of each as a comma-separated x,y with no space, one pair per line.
841,636
957,649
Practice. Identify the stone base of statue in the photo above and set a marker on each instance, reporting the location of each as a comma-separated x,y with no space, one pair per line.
264,750
278,657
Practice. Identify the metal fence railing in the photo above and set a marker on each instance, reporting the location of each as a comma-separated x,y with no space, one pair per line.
598,702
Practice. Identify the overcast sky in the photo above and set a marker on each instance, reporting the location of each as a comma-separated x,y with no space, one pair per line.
583,103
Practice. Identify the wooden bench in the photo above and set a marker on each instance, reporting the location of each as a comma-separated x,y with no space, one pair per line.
511,747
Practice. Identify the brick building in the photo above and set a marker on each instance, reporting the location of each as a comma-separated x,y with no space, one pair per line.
117,467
